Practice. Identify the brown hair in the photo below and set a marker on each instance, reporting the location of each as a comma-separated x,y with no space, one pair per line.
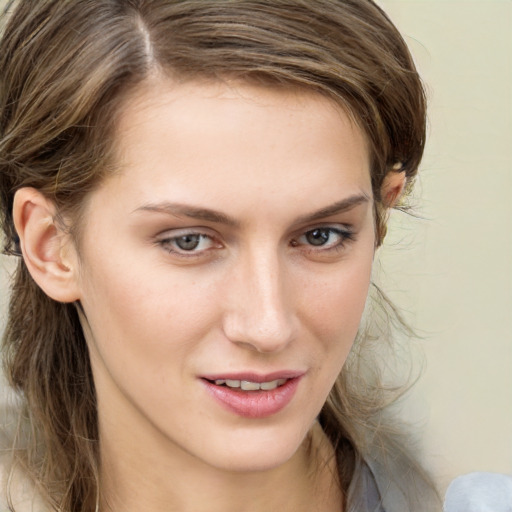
67,67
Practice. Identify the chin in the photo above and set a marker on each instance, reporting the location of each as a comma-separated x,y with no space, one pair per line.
256,453
256,461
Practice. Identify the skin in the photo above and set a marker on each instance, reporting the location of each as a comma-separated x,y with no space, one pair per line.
257,293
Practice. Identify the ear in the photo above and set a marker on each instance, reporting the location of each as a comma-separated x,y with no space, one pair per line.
392,188
48,251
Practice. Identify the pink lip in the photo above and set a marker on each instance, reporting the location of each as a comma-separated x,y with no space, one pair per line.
254,404
255,377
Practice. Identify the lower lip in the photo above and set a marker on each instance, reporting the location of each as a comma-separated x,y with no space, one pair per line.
254,404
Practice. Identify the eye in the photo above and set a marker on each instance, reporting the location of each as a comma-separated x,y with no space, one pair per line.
324,238
188,243
320,236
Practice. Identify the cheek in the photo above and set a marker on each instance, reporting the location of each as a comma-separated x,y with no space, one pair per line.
135,311
333,304
144,334
334,316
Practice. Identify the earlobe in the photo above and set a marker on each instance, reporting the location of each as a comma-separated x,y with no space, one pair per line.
48,251
392,188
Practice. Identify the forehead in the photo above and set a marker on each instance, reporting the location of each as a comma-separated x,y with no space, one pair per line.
209,141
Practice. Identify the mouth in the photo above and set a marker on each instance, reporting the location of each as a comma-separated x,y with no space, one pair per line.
247,385
253,396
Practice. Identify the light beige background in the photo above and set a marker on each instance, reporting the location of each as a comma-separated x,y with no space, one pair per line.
451,272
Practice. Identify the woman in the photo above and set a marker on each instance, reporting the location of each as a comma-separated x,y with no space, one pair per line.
196,190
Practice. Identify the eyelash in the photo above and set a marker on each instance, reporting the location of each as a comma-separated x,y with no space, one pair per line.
345,235
169,244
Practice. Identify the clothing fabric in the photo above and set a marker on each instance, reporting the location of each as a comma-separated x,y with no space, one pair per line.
480,492
371,500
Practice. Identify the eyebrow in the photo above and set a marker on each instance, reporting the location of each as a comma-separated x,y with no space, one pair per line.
335,208
208,215
193,212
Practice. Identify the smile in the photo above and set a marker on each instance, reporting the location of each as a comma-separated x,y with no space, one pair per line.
246,385
254,396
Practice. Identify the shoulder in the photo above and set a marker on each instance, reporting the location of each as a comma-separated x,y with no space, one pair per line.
401,489
364,494
480,491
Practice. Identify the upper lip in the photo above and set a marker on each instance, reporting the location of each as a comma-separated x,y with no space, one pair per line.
252,376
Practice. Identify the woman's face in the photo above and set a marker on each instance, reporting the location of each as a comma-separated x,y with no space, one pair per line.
224,270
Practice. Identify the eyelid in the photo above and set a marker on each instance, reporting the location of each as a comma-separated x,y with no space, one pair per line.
166,238
343,228
344,231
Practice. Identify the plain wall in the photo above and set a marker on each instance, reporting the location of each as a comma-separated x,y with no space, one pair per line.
451,272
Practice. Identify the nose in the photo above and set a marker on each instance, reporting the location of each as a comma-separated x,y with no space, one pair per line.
260,312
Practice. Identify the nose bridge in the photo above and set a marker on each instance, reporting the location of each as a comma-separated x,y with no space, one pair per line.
261,312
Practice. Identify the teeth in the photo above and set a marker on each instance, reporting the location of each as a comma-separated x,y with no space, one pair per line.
249,386
246,385
267,386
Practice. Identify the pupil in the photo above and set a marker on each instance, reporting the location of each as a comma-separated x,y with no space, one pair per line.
188,242
318,236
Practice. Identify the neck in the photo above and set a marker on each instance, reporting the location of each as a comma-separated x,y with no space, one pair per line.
148,480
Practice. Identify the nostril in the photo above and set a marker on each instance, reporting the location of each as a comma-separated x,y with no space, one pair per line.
262,339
